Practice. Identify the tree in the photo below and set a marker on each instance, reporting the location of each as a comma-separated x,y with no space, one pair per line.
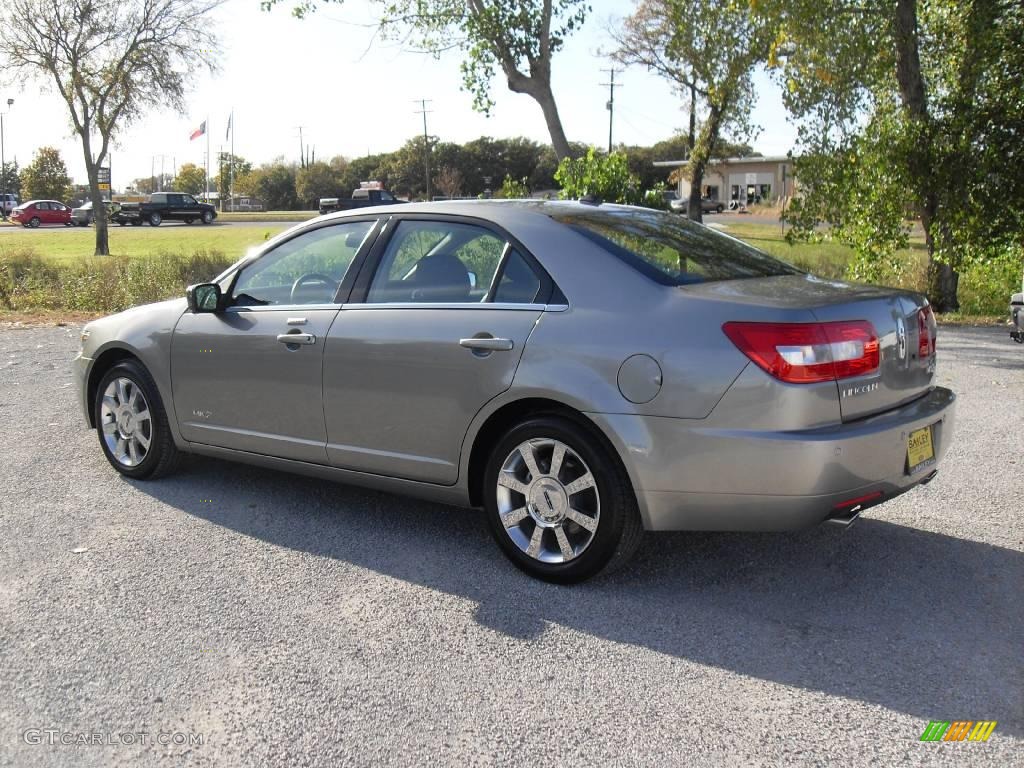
147,185
605,177
12,178
317,180
274,185
46,177
449,181
708,50
910,107
519,37
191,179
230,165
109,60
512,189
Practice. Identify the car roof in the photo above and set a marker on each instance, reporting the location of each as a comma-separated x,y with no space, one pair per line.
501,212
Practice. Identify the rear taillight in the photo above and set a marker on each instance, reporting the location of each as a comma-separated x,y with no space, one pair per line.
802,353
925,332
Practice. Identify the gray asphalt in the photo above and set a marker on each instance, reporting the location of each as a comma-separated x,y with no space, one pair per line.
296,622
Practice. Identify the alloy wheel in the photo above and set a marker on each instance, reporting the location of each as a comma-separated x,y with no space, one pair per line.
126,422
548,500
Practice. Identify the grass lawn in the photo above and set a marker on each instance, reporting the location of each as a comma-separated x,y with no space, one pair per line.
66,245
267,216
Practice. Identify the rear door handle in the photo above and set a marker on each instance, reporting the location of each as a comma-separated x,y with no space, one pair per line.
296,338
488,344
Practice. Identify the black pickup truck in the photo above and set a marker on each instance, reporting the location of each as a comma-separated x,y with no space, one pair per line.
165,206
361,198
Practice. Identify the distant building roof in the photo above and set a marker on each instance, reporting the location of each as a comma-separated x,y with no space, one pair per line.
727,161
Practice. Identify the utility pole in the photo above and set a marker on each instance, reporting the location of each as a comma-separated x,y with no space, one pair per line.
302,149
3,165
426,141
610,106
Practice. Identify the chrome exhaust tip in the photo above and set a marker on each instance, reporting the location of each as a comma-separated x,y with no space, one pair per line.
846,518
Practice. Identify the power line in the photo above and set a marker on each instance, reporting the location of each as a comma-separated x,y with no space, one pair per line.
612,85
426,140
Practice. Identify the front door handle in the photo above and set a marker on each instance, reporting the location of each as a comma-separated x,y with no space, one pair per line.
487,344
296,338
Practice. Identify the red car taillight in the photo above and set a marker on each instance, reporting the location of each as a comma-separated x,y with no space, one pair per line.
802,353
925,332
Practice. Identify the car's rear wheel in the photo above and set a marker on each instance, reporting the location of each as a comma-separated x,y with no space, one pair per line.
559,504
207,217
132,424
34,222
155,219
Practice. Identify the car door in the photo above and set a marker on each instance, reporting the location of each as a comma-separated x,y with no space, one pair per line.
250,377
435,334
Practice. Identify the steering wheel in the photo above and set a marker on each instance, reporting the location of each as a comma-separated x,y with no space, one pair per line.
312,277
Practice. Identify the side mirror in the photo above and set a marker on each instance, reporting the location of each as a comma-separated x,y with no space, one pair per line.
203,297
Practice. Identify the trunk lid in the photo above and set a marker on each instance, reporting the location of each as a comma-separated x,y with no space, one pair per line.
903,374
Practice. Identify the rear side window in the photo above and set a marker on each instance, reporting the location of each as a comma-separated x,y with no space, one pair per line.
671,249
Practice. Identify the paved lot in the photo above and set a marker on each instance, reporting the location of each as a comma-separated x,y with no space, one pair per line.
292,621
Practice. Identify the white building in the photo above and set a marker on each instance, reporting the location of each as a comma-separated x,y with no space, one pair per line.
745,180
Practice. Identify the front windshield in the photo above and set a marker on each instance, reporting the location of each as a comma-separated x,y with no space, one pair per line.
669,248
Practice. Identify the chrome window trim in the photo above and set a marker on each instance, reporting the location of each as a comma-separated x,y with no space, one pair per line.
490,306
282,307
400,305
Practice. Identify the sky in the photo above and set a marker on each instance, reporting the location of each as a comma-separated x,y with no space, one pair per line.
353,95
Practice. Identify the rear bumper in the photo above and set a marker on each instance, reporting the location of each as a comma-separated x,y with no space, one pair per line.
689,476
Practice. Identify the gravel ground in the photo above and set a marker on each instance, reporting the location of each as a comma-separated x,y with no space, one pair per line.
293,621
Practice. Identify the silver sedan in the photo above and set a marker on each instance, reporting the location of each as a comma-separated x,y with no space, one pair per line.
581,372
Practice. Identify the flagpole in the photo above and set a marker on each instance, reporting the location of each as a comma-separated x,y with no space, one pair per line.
231,170
207,158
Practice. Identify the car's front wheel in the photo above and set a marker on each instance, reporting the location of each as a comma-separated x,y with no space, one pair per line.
207,217
132,423
559,504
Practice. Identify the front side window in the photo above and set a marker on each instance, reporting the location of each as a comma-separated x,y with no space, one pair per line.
308,269
672,250
440,262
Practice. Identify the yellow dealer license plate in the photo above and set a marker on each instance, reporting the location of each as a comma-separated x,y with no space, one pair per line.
920,452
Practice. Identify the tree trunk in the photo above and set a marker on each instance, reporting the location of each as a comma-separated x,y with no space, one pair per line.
99,211
693,208
943,279
542,94
699,157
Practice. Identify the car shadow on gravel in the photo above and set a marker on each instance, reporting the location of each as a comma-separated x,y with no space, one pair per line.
917,622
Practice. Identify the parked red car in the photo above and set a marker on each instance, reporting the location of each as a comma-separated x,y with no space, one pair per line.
36,212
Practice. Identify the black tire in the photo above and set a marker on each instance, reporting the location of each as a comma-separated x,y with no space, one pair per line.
619,529
137,222
162,457
207,217
719,208
34,222
155,219
189,220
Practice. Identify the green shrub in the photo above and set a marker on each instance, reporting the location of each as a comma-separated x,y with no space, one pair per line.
101,283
